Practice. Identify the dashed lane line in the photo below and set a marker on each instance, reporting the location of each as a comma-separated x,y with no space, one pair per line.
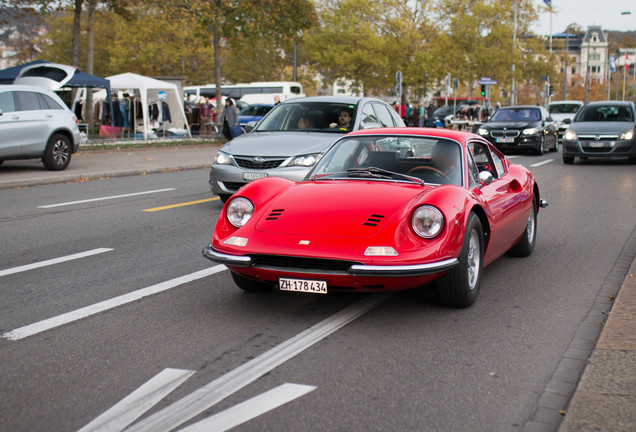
105,198
57,321
53,261
538,164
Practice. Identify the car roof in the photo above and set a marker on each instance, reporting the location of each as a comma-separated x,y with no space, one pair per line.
566,102
521,107
7,87
610,102
456,135
331,99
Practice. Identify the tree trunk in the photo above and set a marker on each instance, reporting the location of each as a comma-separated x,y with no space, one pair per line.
92,4
75,48
216,42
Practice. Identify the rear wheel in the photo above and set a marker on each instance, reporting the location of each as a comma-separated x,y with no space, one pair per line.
58,153
251,285
526,245
460,286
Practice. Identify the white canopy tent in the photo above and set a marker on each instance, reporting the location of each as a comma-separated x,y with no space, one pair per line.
149,89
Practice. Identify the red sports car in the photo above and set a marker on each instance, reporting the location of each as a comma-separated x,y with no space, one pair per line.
383,209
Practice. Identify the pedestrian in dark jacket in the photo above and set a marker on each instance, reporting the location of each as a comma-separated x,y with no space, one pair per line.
229,119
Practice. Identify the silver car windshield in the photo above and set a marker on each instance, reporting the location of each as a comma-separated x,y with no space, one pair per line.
605,113
431,159
310,117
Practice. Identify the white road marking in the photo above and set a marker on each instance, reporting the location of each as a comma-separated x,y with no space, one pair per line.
105,198
250,409
538,164
133,406
53,261
50,323
195,403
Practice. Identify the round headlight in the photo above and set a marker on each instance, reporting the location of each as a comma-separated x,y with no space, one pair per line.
570,135
239,211
427,221
483,132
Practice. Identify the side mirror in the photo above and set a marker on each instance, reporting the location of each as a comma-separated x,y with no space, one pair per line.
485,177
567,121
250,126
1,112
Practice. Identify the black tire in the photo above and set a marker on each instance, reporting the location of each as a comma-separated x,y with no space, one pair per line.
539,150
251,285
58,151
460,286
556,145
224,198
568,160
525,246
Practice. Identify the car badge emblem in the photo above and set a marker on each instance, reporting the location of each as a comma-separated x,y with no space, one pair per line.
597,137
259,159
303,242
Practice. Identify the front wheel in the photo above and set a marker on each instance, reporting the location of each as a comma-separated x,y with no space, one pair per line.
459,287
568,160
57,155
526,245
251,285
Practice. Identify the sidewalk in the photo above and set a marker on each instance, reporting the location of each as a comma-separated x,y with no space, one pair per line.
89,165
603,399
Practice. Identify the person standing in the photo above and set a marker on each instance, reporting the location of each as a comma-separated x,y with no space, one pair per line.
430,110
423,117
229,119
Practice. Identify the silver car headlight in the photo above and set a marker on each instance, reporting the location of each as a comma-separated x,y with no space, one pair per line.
530,131
239,211
483,132
427,221
627,135
305,160
224,159
571,135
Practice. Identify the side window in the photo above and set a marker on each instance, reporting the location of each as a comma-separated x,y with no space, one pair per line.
473,171
383,115
368,115
485,160
47,102
27,101
7,104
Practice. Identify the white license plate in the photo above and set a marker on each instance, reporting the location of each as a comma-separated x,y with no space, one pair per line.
505,140
595,144
303,285
249,176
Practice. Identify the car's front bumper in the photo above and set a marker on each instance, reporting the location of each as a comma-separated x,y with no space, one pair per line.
355,269
227,179
521,142
600,148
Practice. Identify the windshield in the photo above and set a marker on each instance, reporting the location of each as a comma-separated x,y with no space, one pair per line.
563,108
605,113
516,114
432,159
310,116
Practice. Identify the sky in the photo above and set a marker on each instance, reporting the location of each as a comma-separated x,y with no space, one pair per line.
604,13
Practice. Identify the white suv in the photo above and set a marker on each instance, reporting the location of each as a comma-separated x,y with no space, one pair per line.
563,112
35,123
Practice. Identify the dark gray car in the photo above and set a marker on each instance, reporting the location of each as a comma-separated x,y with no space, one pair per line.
292,137
603,129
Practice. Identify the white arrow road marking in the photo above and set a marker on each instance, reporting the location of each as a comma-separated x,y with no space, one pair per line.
250,409
53,261
105,198
138,402
538,164
195,403
47,324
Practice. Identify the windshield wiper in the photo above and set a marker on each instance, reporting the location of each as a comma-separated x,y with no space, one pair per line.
375,172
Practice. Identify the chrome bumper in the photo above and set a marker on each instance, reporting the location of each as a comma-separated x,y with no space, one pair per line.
354,270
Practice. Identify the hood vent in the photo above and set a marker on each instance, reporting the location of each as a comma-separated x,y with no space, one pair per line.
275,214
373,220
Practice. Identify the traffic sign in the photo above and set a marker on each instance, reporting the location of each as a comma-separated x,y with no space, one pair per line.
487,81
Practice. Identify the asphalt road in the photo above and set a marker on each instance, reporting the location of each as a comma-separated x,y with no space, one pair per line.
144,316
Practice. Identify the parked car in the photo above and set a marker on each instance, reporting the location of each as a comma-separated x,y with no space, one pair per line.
253,113
35,123
369,218
526,128
292,137
563,112
603,129
446,113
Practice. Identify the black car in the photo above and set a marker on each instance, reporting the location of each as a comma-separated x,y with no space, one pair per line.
602,129
526,128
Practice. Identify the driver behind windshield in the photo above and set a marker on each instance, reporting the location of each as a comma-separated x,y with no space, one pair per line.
445,157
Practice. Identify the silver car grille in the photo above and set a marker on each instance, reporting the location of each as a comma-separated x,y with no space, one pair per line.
258,163
502,133
599,137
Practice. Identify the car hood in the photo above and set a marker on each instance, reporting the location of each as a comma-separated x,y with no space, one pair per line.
337,208
510,125
601,127
276,144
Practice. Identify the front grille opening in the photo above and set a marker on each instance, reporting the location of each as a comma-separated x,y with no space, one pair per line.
301,263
